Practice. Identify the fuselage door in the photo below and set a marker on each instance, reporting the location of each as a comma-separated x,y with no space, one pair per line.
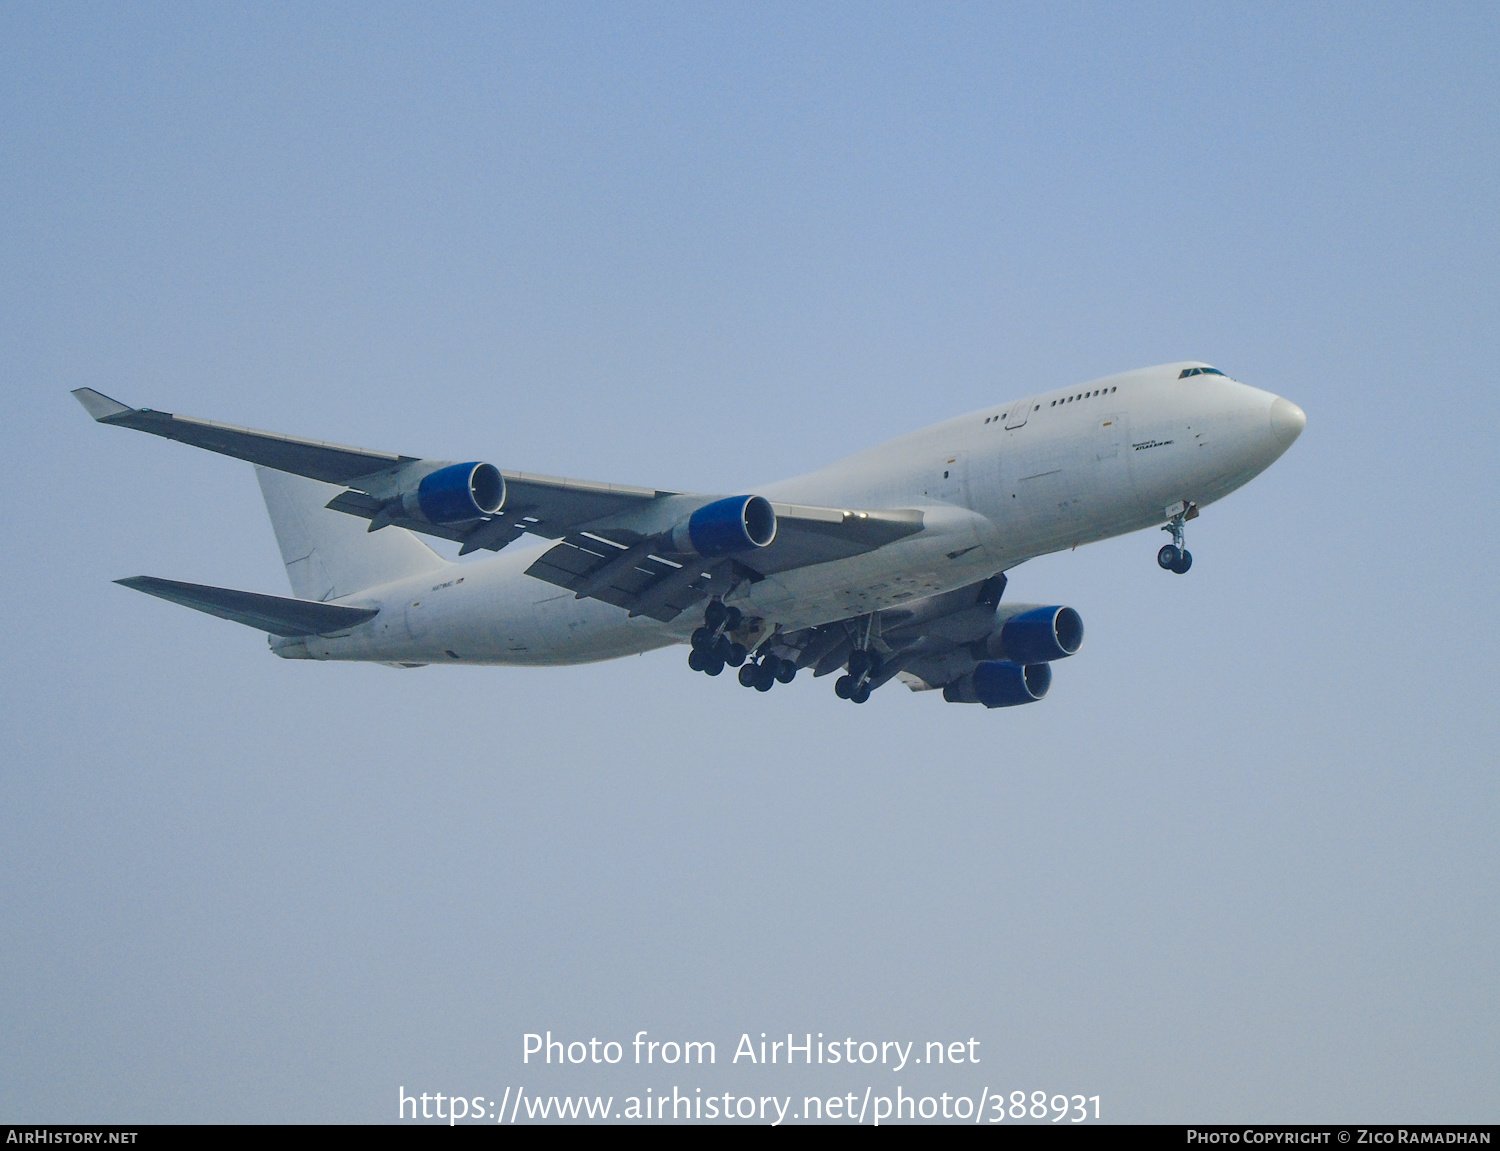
1019,412
952,480
418,618
1109,436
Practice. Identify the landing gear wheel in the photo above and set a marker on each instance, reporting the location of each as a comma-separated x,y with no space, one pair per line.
714,614
859,662
698,659
715,666
749,674
737,654
861,693
733,617
786,671
765,677
703,639
844,686
1175,557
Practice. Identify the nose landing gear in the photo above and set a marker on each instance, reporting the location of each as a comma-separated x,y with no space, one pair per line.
1174,557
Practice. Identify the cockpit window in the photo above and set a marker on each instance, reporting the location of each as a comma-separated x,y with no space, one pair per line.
1186,372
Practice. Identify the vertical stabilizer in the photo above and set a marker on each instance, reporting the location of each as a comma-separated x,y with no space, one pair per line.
329,554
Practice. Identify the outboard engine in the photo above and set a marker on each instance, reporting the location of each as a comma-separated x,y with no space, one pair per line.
1038,635
736,524
1000,683
459,493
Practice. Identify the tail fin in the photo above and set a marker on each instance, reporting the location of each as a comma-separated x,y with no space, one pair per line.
329,554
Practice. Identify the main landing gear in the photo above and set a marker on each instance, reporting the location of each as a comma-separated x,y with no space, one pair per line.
864,666
1174,557
712,647
714,650
767,672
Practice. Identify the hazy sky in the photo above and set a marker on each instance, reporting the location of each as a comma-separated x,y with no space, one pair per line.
1240,865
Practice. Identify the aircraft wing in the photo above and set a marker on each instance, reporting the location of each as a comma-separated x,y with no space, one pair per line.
927,643
601,553
813,535
331,463
545,505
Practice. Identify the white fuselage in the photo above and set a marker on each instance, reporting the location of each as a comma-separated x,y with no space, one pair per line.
1089,462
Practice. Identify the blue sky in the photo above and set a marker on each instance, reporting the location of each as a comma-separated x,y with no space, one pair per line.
1239,866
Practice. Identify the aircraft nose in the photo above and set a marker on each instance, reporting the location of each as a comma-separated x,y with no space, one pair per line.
1287,422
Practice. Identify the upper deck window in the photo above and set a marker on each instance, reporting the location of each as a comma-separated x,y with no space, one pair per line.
1186,372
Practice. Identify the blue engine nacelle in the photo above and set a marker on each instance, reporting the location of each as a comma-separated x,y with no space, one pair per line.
736,524
459,493
1000,683
1038,636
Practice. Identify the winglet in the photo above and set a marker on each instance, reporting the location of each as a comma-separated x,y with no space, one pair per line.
98,405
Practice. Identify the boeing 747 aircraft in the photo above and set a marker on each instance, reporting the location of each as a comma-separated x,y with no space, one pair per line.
888,564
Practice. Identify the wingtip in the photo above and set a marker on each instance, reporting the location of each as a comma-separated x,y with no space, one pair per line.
98,405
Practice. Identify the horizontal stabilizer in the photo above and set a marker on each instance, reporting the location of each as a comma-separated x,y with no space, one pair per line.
275,614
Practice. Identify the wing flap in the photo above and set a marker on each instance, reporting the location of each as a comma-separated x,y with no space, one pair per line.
551,506
275,614
644,575
616,571
630,573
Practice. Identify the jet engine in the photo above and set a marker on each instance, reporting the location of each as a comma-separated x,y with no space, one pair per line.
1000,683
724,527
1037,635
459,493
